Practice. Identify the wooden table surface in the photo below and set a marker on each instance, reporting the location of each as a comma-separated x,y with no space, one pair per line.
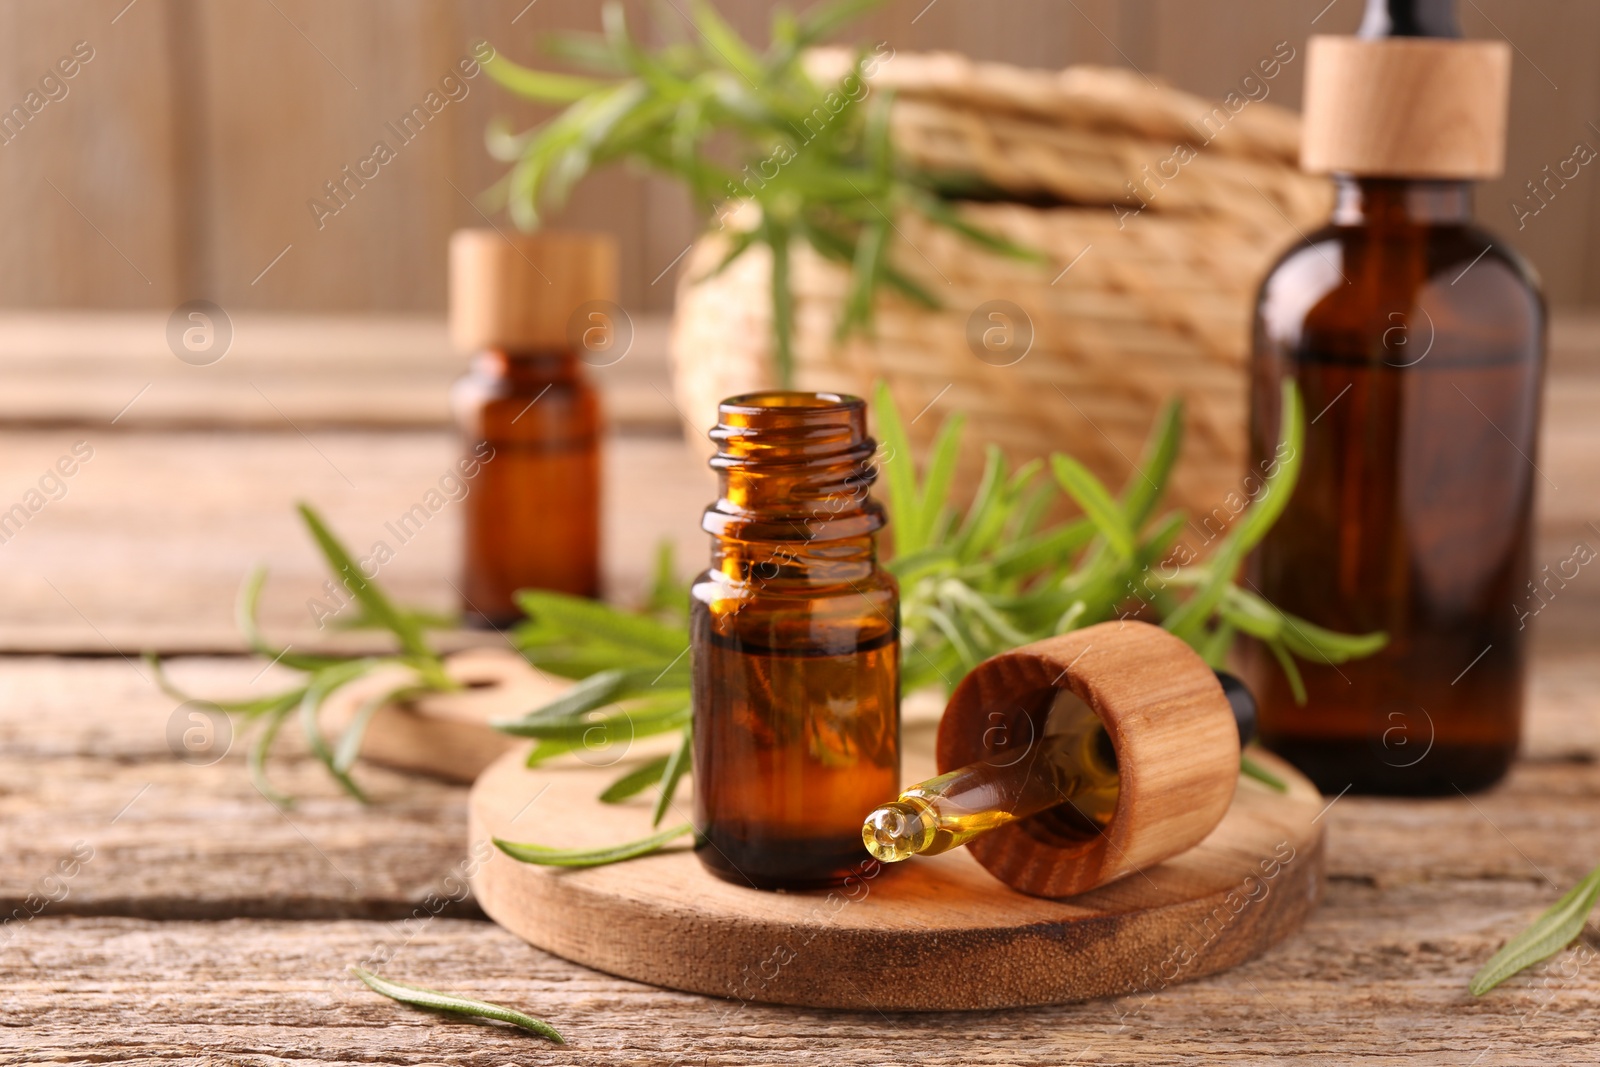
208,926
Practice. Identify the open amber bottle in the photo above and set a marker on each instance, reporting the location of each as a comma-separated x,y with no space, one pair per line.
529,420
795,645
1417,341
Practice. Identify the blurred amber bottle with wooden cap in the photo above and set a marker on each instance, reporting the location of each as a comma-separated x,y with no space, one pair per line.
532,309
1417,340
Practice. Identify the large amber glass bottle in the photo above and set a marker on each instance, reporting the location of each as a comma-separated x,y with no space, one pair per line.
795,646
529,421
1417,342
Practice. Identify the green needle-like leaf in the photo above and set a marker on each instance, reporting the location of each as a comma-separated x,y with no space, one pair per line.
256,760
545,856
1186,621
540,85
1144,489
1097,503
375,603
635,781
597,621
1549,934
898,473
1251,769
422,997
677,767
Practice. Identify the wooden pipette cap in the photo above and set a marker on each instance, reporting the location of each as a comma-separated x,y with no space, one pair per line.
520,291
1173,731
1406,107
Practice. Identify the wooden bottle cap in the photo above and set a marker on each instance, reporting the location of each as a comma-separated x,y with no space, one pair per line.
1406,107
519,291
1173,731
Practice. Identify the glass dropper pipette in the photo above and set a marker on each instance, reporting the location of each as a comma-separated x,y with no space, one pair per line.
1072,765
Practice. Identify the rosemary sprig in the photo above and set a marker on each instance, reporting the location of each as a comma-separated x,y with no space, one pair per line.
979,582
1550,933
422,997
734,125
325,675
545,856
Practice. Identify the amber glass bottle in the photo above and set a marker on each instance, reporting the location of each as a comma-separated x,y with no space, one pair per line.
795,646
1417,342
529,420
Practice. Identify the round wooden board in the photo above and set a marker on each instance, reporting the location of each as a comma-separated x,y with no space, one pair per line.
926,935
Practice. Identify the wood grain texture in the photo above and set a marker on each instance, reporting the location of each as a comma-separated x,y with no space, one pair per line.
1419,894
86,755
196,157
94,220
259,991
154,535
149,545
278,372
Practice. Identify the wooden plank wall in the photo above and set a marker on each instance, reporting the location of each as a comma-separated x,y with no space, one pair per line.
181,158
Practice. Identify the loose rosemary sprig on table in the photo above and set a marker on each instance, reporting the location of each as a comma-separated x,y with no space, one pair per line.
1550,933
974,581
423,670
432,1000
734,125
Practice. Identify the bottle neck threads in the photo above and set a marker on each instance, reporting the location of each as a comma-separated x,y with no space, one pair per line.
795,471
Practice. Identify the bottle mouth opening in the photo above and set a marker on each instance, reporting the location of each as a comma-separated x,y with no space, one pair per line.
780,429
790,402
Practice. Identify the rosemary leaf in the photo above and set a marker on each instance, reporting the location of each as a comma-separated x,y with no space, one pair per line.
545,856
933,501
349,749
376,605
601,622
677,766
1297,685
323,684
1144,490
1264,510
1097,503
635,781
571,718
777,234
256,761
1549,934
422,997
245,614
595,691
659,717
544,86
899,472
1251,769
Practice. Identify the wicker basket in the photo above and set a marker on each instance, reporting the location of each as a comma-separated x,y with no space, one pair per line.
1139,305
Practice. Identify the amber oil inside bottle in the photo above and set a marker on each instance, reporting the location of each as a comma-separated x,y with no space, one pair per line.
530,423
795,646
1416,340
